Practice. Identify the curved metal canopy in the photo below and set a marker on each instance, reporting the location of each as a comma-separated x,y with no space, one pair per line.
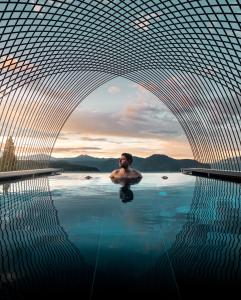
55,53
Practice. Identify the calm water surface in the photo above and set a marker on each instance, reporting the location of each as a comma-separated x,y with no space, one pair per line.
66,234
92,212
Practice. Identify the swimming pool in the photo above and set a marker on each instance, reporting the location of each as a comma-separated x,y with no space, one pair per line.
66,234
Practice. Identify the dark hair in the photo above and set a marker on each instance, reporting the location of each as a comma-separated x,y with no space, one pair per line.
128,156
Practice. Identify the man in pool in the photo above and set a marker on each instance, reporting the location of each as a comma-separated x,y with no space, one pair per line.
125,171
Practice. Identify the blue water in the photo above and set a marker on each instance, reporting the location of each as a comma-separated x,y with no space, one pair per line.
92,212
66,234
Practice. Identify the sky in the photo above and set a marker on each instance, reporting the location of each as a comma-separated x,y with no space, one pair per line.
121,116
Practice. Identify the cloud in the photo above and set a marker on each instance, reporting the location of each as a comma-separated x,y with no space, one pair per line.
143,125
67,135
135,120
37,8
9,63
113,89
175,148
144,22
63,136
85,138
141,117
74,149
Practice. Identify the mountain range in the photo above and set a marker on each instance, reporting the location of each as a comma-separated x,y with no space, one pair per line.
153,163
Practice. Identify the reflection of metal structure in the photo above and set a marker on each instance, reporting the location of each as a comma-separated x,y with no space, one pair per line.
35,250
55,53
206,252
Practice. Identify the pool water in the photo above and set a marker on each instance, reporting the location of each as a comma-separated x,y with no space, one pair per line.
66,234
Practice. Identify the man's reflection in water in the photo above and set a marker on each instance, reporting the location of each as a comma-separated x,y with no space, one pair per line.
126,194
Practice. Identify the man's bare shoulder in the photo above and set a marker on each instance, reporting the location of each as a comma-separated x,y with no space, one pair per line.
114,173
136,172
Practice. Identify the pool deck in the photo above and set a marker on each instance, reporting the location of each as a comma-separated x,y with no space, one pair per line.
15,175
213,173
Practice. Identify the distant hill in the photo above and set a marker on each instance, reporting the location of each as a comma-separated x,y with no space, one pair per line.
153,163
72,166
56,163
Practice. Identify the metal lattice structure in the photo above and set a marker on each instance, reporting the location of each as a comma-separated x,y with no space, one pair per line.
202,255
187,53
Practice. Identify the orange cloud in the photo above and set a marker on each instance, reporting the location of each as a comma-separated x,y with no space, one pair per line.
8,63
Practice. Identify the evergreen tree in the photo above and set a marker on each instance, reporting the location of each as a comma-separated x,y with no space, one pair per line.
8,160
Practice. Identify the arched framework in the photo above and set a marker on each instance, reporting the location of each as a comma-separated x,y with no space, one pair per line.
55,53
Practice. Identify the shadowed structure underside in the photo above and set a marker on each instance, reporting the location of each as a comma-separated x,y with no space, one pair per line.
55,53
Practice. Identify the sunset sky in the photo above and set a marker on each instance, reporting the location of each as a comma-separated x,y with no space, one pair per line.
121,116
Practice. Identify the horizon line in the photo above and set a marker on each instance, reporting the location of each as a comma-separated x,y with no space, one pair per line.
51,156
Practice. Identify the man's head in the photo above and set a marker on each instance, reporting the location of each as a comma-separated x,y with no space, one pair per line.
125,160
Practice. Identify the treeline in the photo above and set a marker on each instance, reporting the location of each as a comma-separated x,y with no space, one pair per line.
9,161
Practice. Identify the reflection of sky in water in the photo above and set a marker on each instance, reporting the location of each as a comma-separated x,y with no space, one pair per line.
90,210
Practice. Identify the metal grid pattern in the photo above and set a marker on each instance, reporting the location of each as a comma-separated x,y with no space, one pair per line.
55,53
